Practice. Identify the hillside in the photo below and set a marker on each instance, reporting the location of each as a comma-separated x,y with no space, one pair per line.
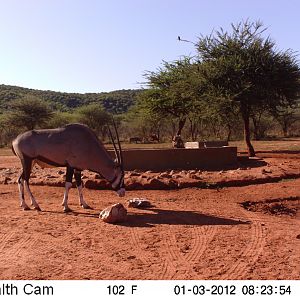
115,101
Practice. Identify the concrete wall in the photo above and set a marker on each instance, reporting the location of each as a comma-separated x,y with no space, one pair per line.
163,159
208,144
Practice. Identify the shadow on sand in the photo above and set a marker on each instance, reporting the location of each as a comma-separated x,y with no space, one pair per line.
175,217
152,217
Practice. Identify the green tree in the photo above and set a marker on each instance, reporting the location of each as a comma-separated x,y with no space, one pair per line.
174,90
142,122
29,112
286,117
95,117
244,67
60,119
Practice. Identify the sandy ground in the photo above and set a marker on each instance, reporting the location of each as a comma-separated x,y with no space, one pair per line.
246,232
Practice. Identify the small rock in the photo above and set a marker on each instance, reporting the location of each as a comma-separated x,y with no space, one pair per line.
192,172
134,173
114,214
165,175
298,237
96,184
131,257
60,172
6,180
143,176
97,176
139,203
49,176
194,176
264,171
155,184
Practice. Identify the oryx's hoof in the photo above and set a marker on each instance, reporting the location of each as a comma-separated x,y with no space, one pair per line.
37,208
86,206
26,207
67,210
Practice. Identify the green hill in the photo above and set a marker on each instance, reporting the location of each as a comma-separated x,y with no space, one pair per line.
115,102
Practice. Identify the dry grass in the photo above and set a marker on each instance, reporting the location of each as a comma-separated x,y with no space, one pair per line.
5,151
292,144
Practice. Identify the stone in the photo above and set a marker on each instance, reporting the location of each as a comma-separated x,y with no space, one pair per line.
194,176
139,203
133,184
115,213
176,176
165,175
191,145
97,176
155,184
6,180
134,173
96,184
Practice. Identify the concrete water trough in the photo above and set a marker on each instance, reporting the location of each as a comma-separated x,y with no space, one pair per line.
185,159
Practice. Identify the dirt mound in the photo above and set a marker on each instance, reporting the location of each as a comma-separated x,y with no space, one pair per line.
247,172
282,206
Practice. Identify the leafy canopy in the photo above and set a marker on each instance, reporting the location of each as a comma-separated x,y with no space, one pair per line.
29,112
246,67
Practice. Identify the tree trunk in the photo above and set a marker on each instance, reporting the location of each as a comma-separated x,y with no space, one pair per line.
246,119
180,126
255,129
285,128
192,129
228,132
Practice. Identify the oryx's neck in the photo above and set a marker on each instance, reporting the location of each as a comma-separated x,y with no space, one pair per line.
104,165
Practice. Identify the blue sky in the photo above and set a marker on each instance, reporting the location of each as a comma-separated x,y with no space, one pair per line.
94,46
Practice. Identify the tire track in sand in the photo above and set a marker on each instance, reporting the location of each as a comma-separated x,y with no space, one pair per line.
162,272
18,251
176,263
249,255
183,262
3,241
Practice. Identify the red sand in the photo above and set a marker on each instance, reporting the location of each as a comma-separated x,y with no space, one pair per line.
191,233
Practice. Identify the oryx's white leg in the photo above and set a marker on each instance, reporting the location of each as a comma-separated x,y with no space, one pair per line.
77,175
21,193
26,165
81,200
33,201
68,185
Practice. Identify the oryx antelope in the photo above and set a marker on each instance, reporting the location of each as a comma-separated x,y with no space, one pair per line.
75,147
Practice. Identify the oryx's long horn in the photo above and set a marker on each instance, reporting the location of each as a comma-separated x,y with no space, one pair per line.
119,144
114,145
